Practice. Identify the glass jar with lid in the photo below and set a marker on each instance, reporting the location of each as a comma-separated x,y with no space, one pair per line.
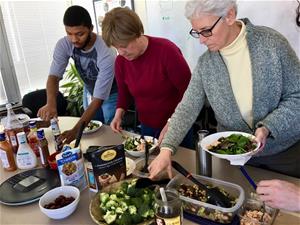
170,211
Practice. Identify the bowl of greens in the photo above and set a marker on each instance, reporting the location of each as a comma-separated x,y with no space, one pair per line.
92,127
237,147
133,145
122,203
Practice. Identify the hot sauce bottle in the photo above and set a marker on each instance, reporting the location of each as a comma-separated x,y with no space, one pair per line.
6,154
43,147
32,138
12,127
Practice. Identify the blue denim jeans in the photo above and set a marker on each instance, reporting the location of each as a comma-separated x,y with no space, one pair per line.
188,141
107,111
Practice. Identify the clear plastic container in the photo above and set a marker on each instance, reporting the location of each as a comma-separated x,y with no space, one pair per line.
206,210
252,212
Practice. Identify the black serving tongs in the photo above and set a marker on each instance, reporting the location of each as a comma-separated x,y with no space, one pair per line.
214,195
146,182
79,134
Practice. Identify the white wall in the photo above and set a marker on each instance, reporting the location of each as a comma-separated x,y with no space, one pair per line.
165,18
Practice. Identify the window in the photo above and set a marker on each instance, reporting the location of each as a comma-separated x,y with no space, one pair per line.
32,29
9,87
29,32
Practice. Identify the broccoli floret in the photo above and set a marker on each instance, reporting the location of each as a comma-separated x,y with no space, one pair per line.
124,187
104,197
111,203
136,218
151,213
131,191
123,205
113,197
120,193
132,209
109,217
124,219
137,202
146,198
119,210
127,197
144,211
103,208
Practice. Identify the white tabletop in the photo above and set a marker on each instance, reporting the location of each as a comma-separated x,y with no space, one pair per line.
31,214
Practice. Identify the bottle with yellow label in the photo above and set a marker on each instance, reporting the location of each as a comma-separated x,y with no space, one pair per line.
168,212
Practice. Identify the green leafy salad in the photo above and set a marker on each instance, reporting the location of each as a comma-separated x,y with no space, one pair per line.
127,205
135,144
91,126
233,145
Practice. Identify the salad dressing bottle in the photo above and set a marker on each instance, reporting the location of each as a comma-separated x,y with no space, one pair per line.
26,158
12,127
6,154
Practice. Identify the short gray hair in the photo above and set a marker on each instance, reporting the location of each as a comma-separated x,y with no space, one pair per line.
197,8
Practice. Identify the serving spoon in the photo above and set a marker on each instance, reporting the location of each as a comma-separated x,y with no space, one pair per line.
145,168
253,184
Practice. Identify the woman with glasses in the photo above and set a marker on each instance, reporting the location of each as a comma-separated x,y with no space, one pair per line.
150,71
250,75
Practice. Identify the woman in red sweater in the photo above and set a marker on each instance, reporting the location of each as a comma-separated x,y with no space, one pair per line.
150,71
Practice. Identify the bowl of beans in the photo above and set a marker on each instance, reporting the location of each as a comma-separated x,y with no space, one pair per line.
60,202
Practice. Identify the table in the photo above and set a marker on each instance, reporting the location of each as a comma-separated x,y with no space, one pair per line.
31,214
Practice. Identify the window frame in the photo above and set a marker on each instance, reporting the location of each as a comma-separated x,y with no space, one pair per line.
8,73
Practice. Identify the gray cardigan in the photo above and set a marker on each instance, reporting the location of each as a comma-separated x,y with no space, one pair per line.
276,92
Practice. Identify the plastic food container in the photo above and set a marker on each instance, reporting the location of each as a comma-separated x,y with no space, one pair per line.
206,210
252,211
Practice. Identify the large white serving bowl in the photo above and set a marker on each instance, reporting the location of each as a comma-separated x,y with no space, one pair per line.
139,154
51,195
239,159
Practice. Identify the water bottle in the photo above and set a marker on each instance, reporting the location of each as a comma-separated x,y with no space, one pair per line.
12,126
203,158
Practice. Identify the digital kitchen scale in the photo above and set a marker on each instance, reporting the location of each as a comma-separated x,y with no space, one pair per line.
28,186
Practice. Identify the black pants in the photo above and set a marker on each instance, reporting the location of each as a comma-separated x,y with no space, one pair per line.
287,162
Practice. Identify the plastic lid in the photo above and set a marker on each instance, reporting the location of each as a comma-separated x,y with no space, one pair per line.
32,124
21,137
2,136
8,106
16,121
40,134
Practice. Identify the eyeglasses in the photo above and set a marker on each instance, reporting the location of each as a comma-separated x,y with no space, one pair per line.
204,33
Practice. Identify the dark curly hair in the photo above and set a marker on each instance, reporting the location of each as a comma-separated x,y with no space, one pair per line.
77,16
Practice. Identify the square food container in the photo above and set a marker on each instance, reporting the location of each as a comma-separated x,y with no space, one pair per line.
206,210
253,210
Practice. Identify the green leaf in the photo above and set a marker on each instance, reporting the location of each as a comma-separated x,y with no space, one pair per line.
74,91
